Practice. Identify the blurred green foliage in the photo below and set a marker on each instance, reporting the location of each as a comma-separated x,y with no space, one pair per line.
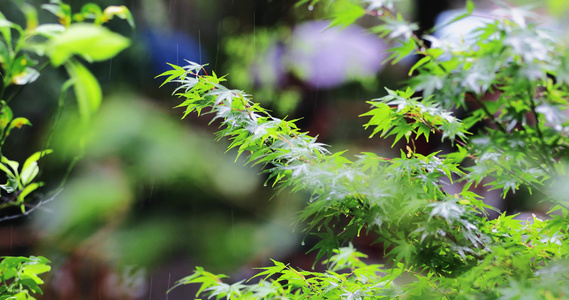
142,188
27,47
25,50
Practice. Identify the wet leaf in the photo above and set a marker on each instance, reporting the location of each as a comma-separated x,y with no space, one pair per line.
28,76
89,11
49,30
6,115
86,87
118,11
27,190
60,10
31,164
17,123
93,43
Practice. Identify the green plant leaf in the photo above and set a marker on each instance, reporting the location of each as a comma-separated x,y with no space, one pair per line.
30,168
119,11
29,173
92,42
17,123
49,30
86,87
5,27
345,13
6,115
60,10
13,164
418,64
28,76
33,270
89,11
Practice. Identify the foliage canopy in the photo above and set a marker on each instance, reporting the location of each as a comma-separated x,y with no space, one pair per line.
510,78
25,51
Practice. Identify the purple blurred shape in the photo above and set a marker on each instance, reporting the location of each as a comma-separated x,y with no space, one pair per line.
326,57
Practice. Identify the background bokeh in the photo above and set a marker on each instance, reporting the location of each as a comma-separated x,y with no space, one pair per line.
151,196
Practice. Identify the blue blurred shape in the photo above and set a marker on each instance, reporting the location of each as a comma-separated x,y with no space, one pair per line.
171,46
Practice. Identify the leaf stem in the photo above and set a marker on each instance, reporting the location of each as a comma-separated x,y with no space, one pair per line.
21,87
488,113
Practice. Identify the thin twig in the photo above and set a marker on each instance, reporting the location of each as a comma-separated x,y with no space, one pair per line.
40,204
489,114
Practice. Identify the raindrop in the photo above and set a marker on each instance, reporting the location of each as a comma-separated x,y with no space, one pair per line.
151,191
218,37
200,45
150,292
232,224
110,67
169,276
302,243
178,58
310,7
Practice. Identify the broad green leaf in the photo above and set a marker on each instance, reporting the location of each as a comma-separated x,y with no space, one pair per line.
21,71
11,163
89,11
30,167
17,123
49,30
86,87
8,273
28,76
36,267
6,115
4,54
26,191
9,173
23,295
119,11
92,42
60,10
39,260
31,14
5,26
29,173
